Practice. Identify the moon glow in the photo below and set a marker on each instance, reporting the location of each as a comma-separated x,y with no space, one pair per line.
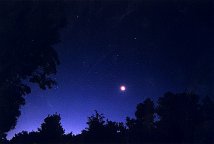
122,88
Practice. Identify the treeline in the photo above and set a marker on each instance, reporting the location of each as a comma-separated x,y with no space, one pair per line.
176,118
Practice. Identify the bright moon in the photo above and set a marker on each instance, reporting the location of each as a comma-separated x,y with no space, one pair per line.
122,88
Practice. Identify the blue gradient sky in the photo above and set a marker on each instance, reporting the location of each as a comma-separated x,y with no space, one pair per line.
150,47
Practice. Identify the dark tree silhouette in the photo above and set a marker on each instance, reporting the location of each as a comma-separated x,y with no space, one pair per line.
95,122
51,130
22,137
10,101
182,118
28,30
205,131
68,138
115,132
207,108
179,117
145,113
101,131
25,138
141,129
94,132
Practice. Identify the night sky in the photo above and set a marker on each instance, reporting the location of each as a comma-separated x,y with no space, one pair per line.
150,47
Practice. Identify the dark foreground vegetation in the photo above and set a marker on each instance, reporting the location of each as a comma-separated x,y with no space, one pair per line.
28,32
177,118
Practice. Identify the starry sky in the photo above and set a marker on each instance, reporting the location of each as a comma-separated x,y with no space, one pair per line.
149,46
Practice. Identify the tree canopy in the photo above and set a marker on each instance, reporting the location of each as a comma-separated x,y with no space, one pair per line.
28,31
181,118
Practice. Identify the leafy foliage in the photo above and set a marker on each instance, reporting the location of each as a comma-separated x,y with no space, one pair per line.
182,119
51,130
28,30
141,129
179,116
101,131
